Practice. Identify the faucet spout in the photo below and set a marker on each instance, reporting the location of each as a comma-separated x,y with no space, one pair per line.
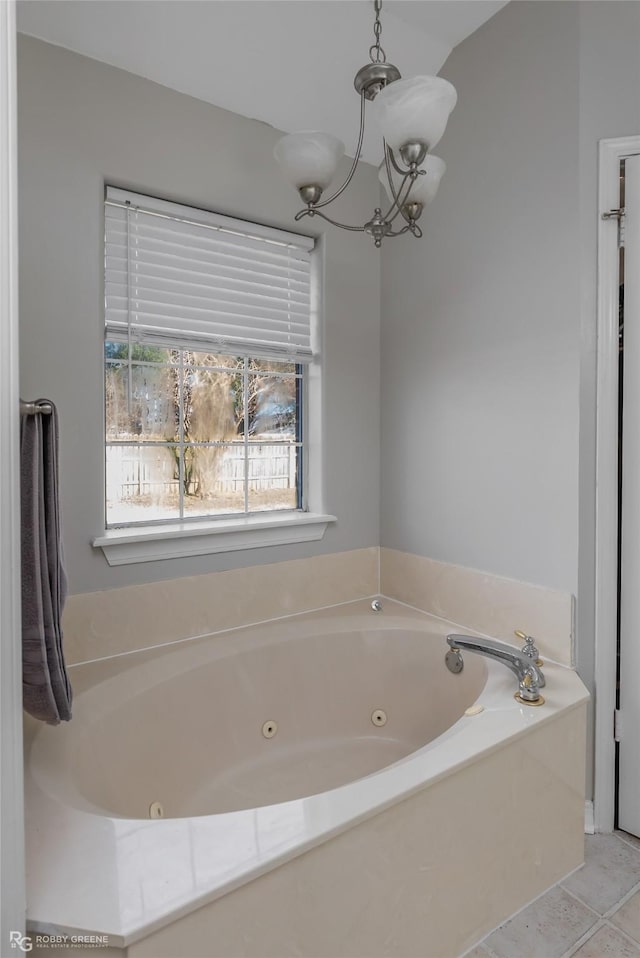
529,675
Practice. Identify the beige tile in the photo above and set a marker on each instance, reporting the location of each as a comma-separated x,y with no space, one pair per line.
607,943
610,871
628,917
546,929
491,604
419,879
100,624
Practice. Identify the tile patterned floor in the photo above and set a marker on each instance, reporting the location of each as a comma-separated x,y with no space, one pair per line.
595,913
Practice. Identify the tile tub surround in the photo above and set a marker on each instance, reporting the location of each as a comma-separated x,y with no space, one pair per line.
421,879
380,855
576,929
101,624
492,604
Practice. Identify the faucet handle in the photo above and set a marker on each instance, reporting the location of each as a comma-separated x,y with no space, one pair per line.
529,689
529,649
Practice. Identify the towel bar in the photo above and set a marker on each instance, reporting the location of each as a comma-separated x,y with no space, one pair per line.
33,408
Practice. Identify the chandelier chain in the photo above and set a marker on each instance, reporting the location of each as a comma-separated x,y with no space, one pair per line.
376,53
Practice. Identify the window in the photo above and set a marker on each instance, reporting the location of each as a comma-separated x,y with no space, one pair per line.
208,329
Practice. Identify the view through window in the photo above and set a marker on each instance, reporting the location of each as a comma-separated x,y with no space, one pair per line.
195,434
208,334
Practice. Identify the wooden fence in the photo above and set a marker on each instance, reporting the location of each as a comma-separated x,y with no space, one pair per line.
134,471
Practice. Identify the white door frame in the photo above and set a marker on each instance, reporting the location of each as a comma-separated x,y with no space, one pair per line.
12,885
611,153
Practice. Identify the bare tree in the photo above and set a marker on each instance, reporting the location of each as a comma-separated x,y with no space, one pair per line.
206,397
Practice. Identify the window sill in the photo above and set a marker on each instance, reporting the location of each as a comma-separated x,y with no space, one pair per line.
175,541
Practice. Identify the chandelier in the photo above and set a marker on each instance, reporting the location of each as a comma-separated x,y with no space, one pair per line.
411,115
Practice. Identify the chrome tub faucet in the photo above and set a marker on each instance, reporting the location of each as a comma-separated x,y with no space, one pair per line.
529,675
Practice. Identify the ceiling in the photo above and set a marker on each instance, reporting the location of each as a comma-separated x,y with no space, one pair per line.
289,63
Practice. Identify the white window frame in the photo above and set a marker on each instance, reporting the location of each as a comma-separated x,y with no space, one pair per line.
198,536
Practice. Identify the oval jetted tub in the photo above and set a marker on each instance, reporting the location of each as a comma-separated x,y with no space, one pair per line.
188,772
280,716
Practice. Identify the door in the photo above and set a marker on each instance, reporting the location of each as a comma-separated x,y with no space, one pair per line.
629,676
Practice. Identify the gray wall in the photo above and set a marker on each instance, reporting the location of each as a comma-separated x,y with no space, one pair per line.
480,338
82,123
489,327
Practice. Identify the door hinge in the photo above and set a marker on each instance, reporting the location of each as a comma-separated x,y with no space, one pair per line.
618,215
617,725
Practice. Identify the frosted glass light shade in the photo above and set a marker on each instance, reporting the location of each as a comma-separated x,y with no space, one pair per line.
310,158
425,187
414,109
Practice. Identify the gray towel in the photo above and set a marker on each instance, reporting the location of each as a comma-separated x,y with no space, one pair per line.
45,686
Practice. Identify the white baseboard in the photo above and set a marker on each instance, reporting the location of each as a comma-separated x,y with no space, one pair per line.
589,823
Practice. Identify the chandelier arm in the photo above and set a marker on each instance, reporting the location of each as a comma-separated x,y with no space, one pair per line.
388,155
411,227
398,211
396,165
399,200
315,212
404,229
338,192
402,211
389,218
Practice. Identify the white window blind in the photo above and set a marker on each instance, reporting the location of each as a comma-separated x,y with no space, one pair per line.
186,278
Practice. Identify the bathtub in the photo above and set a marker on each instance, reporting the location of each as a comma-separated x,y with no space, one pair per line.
319,785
